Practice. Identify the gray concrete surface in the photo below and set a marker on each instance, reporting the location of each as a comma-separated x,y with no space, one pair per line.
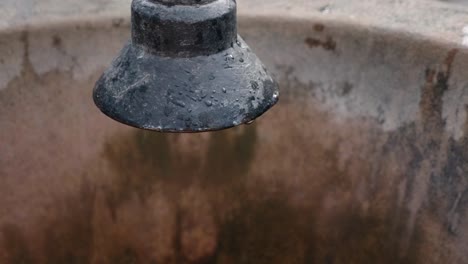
441,20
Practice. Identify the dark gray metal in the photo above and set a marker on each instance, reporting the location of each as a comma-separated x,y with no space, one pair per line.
185,70
183,2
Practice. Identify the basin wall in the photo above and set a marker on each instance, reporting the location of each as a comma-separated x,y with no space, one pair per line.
364,160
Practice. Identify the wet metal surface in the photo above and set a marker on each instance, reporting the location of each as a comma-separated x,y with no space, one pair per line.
185,70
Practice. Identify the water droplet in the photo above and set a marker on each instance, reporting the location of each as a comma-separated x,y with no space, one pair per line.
237,100
212,96
229,57
250,122
241,60
179,103
224,90
193,98
214,91
203,94
208,103
275,95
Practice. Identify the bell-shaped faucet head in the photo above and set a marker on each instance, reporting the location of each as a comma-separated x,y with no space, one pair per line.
185,70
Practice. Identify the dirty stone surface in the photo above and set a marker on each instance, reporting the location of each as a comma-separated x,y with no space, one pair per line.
440,19
364,160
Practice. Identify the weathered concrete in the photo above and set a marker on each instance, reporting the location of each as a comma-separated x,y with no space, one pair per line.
363,161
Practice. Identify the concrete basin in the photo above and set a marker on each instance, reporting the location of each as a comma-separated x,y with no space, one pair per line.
364,160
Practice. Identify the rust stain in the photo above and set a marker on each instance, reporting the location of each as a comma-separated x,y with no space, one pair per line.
28,71
236,222
437,83
143,160
346,88
15,245
57,42
69,234
449,60
319,27
328,44
222,211
253,224
118,22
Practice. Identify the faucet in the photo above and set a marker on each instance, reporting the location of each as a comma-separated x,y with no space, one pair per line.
185,70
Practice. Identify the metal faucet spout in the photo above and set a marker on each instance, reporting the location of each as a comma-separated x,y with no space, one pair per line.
185,70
